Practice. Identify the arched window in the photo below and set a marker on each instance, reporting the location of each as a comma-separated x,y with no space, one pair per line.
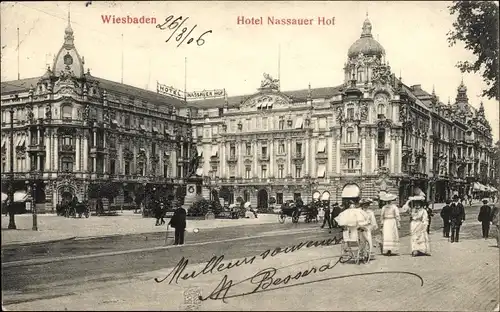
360,75
381,111
350,135
67,164
67,112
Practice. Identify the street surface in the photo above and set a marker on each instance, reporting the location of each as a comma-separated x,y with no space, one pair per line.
64,268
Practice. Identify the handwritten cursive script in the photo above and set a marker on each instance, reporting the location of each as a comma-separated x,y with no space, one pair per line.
174,24
216,264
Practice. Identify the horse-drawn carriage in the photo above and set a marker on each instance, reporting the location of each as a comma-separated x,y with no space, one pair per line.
296,209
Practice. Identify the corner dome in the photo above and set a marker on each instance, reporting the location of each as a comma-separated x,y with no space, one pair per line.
366,44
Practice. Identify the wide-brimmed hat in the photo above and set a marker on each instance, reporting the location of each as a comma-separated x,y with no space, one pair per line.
387,197
484,200
365,202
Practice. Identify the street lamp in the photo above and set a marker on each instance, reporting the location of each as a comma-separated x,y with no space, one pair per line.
33,205
10,209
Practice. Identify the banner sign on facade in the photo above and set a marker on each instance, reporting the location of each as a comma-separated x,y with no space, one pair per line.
190,96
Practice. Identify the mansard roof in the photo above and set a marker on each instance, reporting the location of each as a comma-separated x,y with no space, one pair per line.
23,85
295,95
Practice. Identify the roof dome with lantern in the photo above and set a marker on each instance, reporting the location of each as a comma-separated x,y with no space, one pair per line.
366,44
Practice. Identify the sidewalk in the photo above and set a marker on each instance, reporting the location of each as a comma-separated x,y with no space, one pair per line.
457,277
53,228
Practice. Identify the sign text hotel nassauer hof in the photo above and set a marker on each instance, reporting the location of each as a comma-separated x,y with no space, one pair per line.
190,96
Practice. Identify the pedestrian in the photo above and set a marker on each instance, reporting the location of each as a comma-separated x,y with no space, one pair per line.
445,215
495,220
178,222
457,217
420,245
485,218
430,214
366,233
156,211
390,222
163,211
327,218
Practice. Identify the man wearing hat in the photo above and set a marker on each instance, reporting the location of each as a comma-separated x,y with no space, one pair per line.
485,218
335,213
327,218
457,216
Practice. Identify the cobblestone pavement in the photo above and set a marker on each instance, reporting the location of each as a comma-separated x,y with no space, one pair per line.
457,277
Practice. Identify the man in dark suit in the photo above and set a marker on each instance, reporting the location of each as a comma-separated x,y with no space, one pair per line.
445,215
327,218
485,218
335,213
457,217
178,222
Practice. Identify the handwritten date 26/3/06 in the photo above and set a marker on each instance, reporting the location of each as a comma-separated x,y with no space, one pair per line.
181,33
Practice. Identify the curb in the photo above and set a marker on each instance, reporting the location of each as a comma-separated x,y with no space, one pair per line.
51,241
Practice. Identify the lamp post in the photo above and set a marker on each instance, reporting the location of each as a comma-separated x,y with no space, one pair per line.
33,205
12,221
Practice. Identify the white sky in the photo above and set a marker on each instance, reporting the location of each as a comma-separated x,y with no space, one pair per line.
234,56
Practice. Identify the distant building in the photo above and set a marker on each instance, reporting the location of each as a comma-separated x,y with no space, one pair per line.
72,129
372,132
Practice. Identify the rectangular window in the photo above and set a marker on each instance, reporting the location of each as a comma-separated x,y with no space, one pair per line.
281,147
248,172
127,167
381,137
112,166
381,161
264,150
165,170
350,113
214,172
249,149
296,196
298,171
281,170
350,163
350,135
264,123
281,124
232,151
264,172
279,198
298,148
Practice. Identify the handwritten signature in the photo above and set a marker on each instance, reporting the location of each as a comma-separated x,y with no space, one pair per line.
174,24
267,279
215,264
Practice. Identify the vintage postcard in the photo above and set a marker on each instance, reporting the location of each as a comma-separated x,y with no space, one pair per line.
250,155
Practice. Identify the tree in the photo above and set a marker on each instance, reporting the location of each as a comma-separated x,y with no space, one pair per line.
109,190
477,27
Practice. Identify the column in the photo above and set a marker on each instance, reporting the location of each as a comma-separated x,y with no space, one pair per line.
94,164
240,164
104,139
77,154
48,150
337,151
307,157
85,153
95,139
362,152
223,156
330,155
271,159
56,152
255,146
39,161
400,158
291,154
373,150
393,154
313,171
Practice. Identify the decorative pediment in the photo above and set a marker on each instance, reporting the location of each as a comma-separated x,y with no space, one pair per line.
263,101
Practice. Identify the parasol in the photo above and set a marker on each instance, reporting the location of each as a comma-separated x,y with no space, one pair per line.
247,205
232,206
4,197
353,217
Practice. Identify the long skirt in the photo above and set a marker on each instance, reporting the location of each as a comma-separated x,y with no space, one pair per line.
390,236
419,237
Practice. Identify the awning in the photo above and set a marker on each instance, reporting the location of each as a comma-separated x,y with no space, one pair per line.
155,130
200,151
4,197
199,172
4,141
325,195
20,196
215,151
142,127
258,105
321,146
298,123
321,171
350,191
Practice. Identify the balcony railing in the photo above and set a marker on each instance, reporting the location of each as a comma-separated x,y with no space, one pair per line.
264,157
351,171
383,146
232,158
66,148
346,146
298,155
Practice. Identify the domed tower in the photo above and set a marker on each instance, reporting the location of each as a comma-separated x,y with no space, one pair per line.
67,60
364,54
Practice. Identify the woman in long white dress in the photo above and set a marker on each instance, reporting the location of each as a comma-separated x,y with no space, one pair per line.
372,223
420,244
390,221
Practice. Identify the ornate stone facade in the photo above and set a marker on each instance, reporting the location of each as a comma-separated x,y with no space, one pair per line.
72,129
372,131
